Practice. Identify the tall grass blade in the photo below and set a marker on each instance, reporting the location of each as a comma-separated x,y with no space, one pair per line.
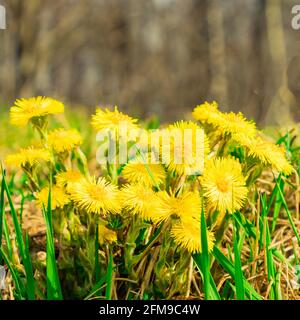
239,282
205,261
97,266
229,267
96,288
7,238
109,276
30,277
26,259
278,203
53,283
269,257
288,213
19,285
213,291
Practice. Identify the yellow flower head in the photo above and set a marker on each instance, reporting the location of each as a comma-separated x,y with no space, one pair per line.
235,123
187,149
142,170
140,200
95,196
26,109
29,156
62,140
65,179
184,206
113,120
106,235
224,185
207,113
268,153
58,198
187,234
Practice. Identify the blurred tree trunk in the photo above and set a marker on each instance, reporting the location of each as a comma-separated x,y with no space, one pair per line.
279,106
217,61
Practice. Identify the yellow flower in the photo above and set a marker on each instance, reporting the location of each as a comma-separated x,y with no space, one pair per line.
142,170
224,185
140,200
95,196
65,179
26,109
187,149
226,123
183,206
29,156
58,198
106,235
235,123
187,234
207,113
112,120
62,140
268,153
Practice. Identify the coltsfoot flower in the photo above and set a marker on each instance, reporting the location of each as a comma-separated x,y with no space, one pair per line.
104,119
235,123
207,113
183,206
62,140
224,185
140,200
95,196
26,109
58,198
142,170
268,153
225,123
187,234
29,156
187,149
66,178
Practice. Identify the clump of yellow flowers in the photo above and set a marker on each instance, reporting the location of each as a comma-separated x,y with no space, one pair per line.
157,194
161,192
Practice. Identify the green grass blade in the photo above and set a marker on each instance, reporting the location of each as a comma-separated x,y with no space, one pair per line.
109,276
7,238
16,224
278,203
205,261
30,285
229,267
288,213
25,258
239,282
96,288
269,257
97,266
213,291
19,286
278,293
53,283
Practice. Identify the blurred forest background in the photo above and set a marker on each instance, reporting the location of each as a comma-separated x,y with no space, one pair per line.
155,56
